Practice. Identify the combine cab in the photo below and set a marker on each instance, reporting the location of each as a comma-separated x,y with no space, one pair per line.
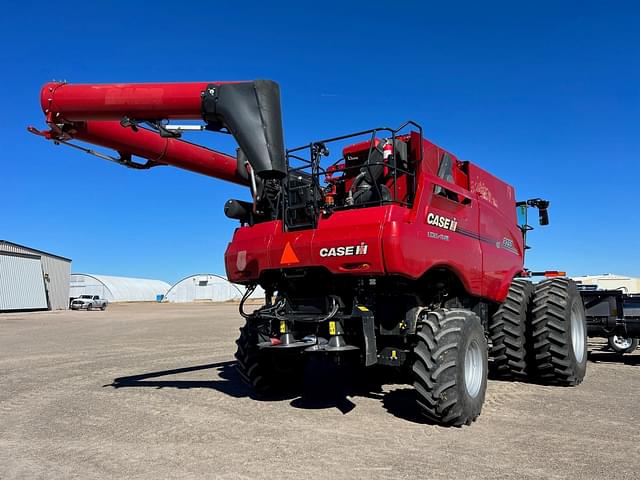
375,248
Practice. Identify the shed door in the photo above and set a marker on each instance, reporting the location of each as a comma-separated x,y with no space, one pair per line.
21,283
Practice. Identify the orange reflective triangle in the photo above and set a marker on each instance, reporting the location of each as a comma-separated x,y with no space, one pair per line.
288,255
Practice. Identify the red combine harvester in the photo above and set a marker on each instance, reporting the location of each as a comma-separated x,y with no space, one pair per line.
393,253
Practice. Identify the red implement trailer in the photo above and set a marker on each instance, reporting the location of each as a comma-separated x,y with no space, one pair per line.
389,252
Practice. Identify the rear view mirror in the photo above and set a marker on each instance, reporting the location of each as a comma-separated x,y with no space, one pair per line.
543,216
522,214
540,204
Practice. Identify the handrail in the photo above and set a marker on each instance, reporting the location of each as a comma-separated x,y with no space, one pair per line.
311,168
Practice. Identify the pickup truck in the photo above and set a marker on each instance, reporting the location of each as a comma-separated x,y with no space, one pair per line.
88,302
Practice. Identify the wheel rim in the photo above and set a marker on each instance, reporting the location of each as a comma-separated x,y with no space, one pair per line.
621,342
473,369
577,333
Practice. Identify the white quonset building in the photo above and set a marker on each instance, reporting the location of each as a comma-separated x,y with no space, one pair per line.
611,281
31,279
117,289
207,287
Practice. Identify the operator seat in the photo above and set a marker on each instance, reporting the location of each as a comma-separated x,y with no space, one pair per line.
369,186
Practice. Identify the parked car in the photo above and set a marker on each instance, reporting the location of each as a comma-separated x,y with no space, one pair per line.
88,302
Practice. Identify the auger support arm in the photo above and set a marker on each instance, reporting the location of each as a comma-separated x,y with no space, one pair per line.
166,151
149,145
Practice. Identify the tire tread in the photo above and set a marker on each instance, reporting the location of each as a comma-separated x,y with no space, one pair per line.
434,367
508,331
551,335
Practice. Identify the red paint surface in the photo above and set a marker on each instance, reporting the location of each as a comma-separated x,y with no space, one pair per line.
142,101
398,237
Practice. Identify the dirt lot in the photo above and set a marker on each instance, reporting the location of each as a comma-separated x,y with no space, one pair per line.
149,391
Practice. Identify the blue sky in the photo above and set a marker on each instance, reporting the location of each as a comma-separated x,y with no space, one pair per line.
545,95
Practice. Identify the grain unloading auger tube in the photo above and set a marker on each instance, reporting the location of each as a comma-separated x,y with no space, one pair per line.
131,118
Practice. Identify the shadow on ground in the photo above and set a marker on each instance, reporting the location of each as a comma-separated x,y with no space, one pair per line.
612,357
231,384
325,385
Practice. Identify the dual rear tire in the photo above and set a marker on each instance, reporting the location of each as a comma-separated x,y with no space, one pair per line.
558,342
508,331
540,333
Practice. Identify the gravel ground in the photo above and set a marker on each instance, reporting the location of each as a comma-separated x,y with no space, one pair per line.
150,391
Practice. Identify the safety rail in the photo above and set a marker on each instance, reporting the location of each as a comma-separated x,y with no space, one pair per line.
305,189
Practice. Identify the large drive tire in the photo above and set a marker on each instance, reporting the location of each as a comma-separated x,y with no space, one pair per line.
252,366
620,344
559,333
450,366
508,330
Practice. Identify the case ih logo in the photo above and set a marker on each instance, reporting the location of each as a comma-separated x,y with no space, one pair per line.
351,250
442,222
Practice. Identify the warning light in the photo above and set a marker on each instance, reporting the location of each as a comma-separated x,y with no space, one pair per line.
546,273
553,273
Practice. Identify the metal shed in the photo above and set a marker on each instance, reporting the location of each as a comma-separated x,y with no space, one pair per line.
21,283
54,275
207,287
117,289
